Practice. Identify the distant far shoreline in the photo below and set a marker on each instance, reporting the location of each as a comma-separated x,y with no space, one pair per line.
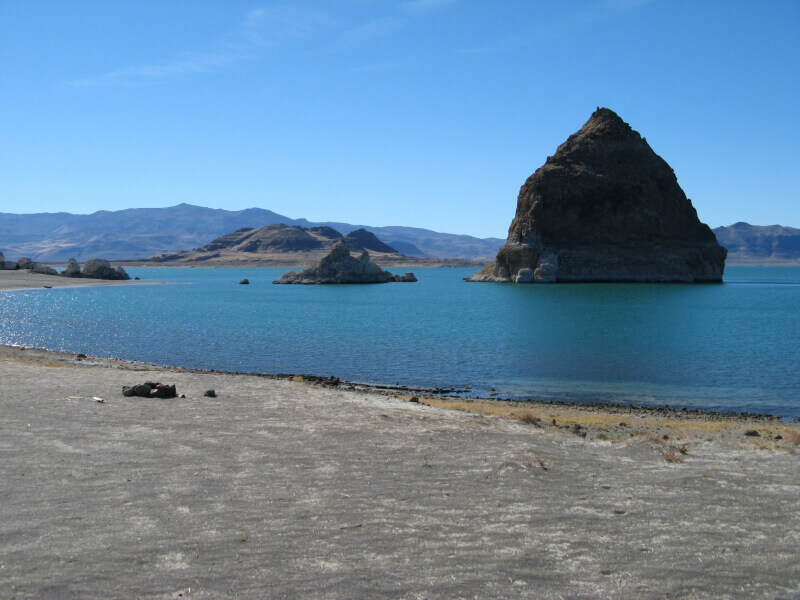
760,262
24,280
277,262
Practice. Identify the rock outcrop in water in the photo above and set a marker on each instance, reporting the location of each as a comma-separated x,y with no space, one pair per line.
606,207
340,267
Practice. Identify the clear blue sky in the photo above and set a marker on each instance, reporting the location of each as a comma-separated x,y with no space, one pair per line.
428,113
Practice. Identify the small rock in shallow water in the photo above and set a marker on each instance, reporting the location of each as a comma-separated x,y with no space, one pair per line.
244,282
210,393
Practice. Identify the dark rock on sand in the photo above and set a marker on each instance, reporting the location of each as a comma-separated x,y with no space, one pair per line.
606,207
150,390
340,267
97,268
43,269
210,394
34,267
752,433
73,269
7,265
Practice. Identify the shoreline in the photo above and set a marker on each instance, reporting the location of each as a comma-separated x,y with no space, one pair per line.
293,487
524,409
14,280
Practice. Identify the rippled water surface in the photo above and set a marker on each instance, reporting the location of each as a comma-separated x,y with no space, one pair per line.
734,346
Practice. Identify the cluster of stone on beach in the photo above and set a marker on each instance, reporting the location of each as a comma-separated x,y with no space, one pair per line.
340,267
95,268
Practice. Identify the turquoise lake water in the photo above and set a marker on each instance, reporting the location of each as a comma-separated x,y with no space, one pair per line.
734,346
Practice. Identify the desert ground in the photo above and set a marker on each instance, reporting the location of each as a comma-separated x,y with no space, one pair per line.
290,488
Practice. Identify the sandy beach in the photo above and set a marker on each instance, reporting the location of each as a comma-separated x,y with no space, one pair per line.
282,488
23,280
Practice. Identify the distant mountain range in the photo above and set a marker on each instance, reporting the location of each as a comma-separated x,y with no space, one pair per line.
138,233
760,245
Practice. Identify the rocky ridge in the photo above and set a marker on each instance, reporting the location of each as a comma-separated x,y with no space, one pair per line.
279,239
288,245
605,207
340,267
134,234
760,244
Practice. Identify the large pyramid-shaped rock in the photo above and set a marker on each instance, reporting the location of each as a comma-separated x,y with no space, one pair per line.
606,207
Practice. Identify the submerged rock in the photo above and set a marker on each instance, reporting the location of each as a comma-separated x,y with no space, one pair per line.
605,207
97,268
340,267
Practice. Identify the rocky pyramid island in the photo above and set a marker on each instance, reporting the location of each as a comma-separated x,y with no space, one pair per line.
340,267
605,207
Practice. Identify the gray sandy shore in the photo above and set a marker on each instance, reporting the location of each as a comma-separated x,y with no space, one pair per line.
285,489
21,280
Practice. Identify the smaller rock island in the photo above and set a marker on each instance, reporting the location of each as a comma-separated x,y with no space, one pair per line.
340,267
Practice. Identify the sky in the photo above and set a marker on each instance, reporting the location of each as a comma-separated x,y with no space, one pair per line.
425,113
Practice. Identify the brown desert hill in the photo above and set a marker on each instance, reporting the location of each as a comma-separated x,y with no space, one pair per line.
288,245
606,207
362,240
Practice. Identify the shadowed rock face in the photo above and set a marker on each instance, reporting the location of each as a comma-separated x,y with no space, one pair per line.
339,267
361,239
606,207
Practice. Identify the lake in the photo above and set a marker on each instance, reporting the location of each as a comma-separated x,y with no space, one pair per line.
731,346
